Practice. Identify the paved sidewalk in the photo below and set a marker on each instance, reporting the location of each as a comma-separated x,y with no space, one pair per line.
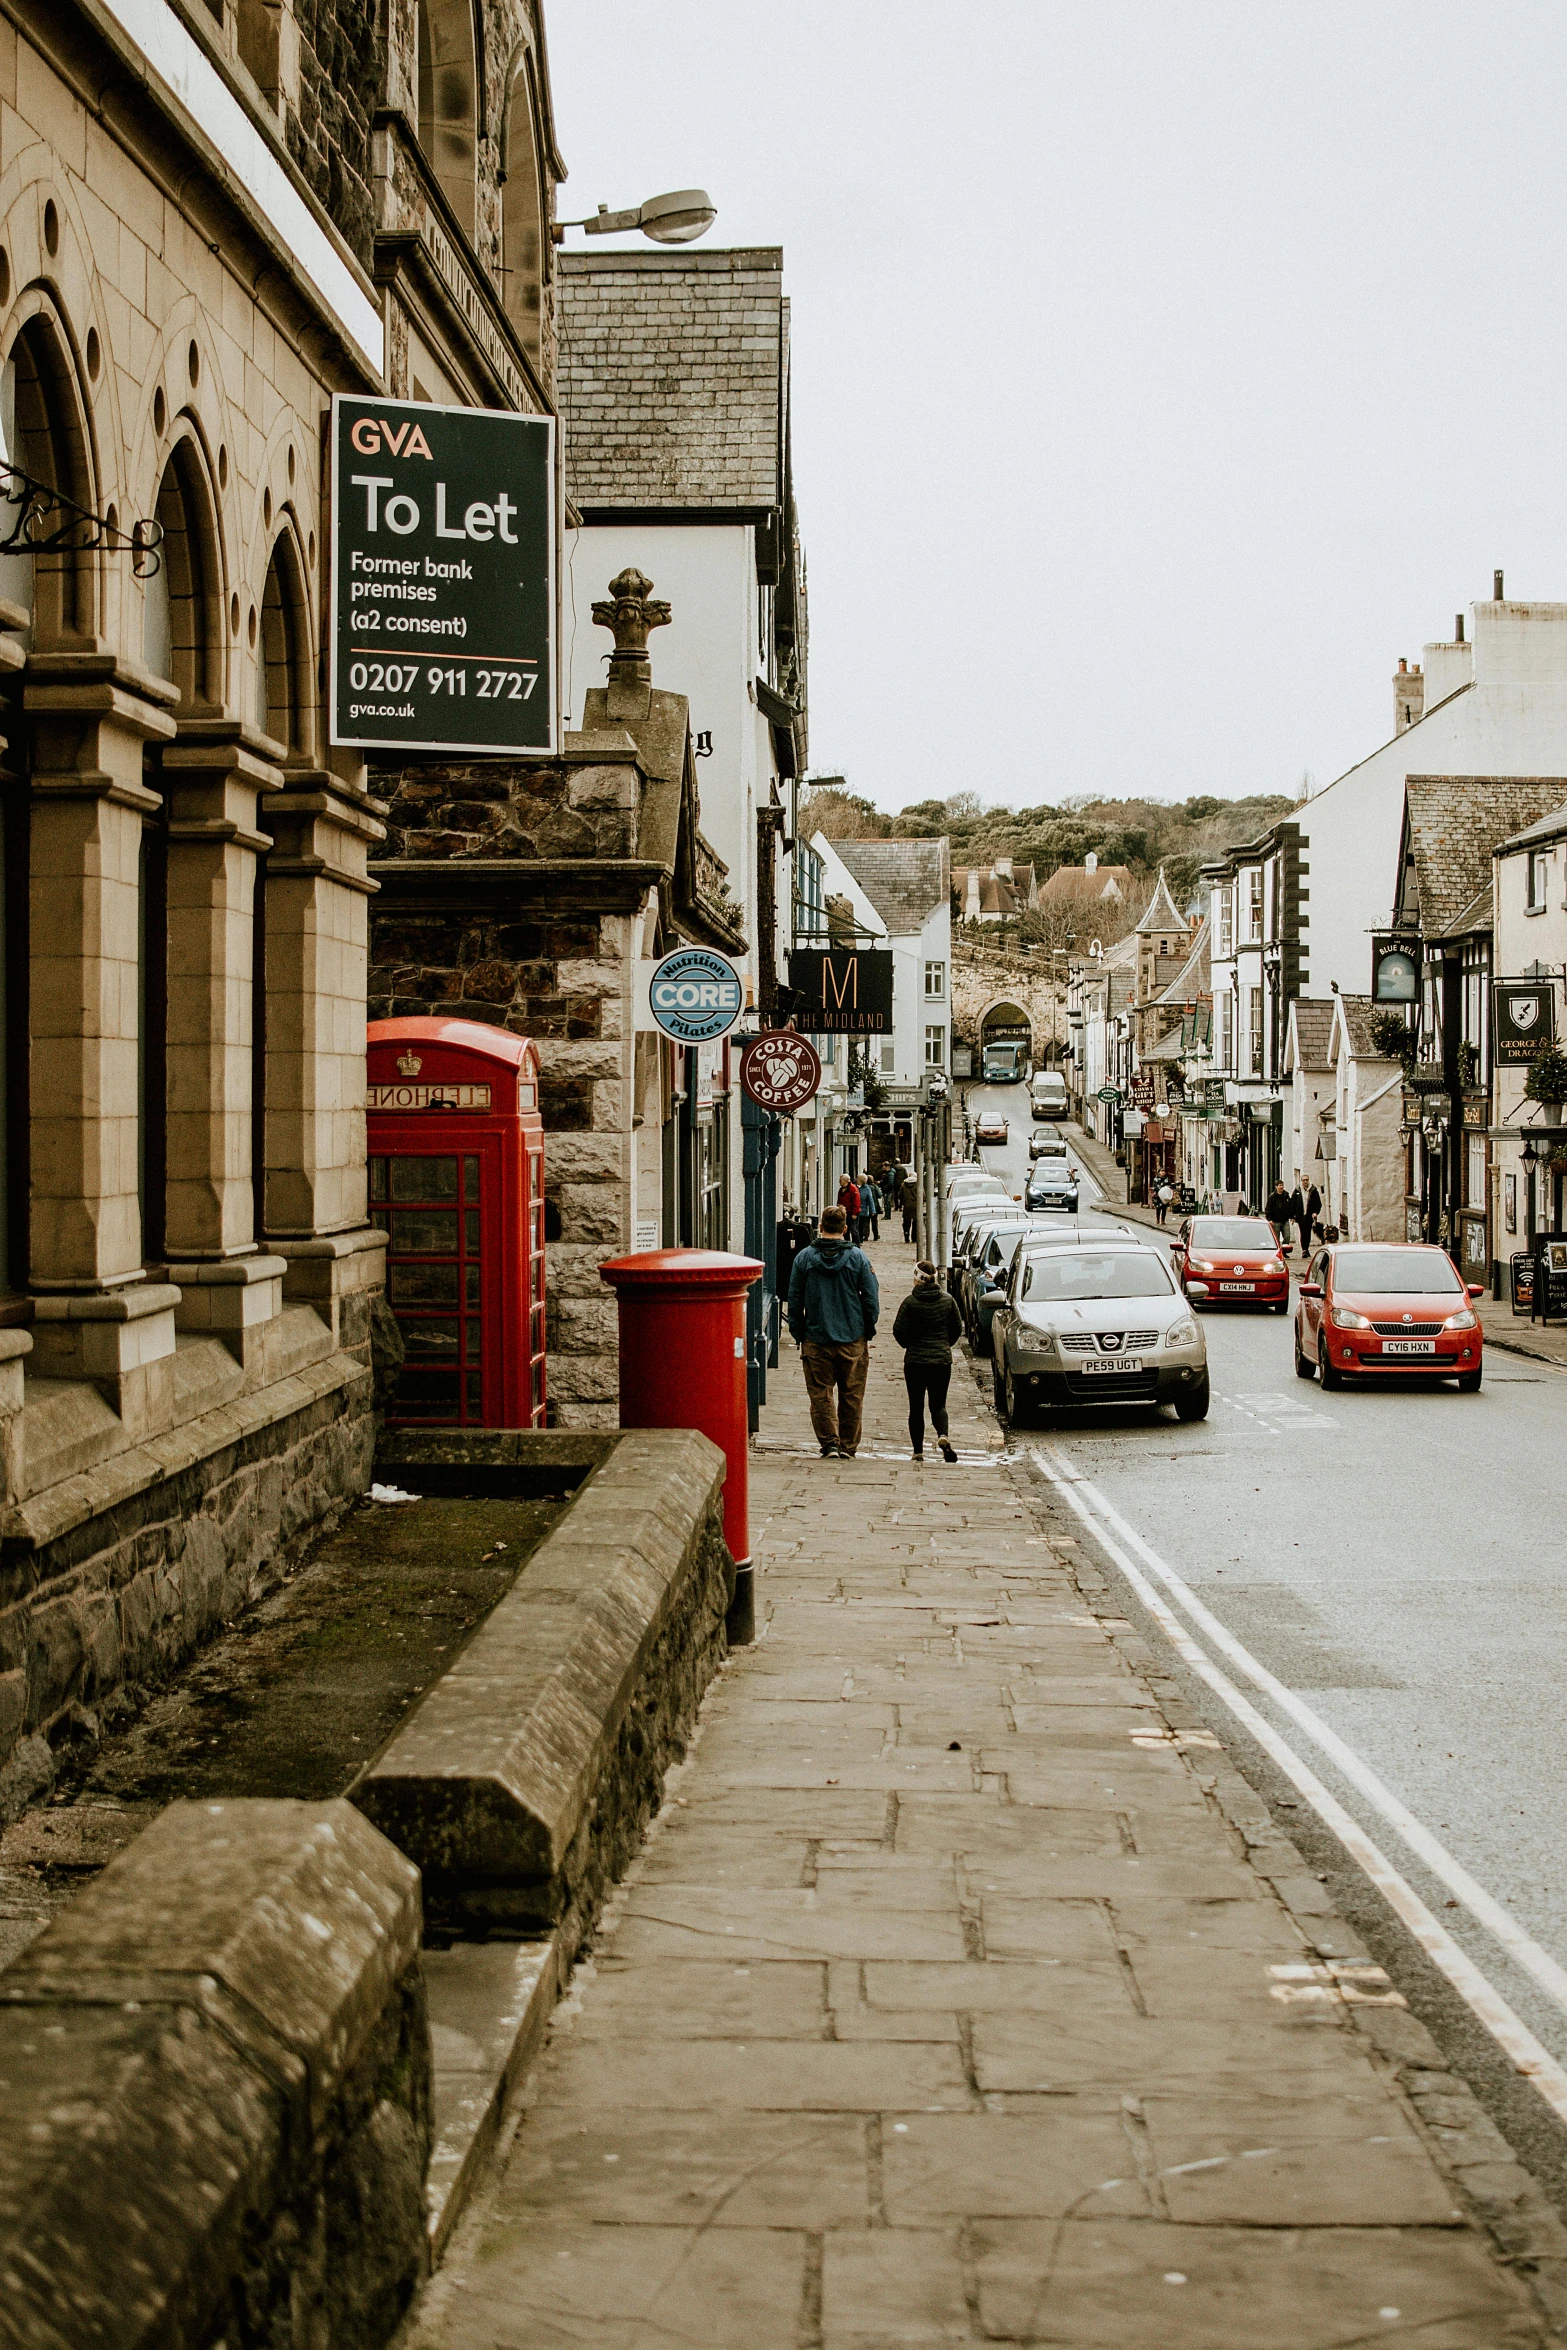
965,1993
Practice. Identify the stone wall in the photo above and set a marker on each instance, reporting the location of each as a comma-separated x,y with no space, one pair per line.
981,976
217,2068
110,1578
505,898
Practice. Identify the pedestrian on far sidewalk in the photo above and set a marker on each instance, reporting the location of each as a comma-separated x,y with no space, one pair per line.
927,1327
1164,1199
909,1202
870,1210
849,1201
834,1306
1310,1212
1277,1211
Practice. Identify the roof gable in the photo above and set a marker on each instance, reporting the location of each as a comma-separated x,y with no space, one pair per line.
905,880
1452,825
1163,912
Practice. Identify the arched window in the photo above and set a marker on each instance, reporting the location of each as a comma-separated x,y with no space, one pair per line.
523,213
448,101
45,436
283,698
182,601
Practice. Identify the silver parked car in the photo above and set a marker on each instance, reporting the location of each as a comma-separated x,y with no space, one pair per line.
1099,1322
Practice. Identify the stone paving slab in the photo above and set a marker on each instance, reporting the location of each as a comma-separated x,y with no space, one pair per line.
943,2005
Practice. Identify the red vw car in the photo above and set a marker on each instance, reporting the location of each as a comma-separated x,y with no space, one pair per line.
1231,1261
1386,1306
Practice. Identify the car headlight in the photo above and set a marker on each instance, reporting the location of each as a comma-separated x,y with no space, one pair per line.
1181,1333
1463,1320
1343,1319
1032,1340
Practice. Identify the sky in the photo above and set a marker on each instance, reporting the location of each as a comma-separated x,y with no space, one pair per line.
1161,374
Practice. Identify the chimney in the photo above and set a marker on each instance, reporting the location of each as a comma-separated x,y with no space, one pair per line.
1496,587
1409,697
1091,861
1458,628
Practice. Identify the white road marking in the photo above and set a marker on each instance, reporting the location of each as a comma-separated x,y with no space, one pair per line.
1524,2051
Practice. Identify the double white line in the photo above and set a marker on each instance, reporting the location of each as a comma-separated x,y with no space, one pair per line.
1138,1562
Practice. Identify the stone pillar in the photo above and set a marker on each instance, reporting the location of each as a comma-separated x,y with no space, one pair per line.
212,778
316,1215
90,718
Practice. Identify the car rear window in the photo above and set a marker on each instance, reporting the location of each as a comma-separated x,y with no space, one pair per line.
1233,1232
1397,1272
1090,1273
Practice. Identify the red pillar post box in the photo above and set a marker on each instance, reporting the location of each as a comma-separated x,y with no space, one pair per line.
682,1365
456,1146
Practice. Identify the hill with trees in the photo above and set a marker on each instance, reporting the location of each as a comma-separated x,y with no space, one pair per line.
1143,834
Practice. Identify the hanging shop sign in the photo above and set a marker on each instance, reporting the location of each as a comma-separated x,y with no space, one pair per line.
1140,1091
1525,1017
696,995
780,1070
1395,972
842,991
443,578
1109,1093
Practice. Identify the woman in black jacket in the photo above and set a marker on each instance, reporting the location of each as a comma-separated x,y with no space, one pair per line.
927,1324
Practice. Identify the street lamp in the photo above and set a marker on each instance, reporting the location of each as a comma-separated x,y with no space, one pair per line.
678,218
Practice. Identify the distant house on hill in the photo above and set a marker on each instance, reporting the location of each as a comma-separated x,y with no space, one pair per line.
1087,883
997,892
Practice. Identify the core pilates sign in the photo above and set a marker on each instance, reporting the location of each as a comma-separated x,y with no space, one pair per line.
443,578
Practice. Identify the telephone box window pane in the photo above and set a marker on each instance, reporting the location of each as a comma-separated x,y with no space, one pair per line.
430,1335
428,1389
474,1298
425,1179
378,1178
425,1232
470,1179
538,1385
423,1285
471,1238
381,1218
538,1273
475,1396
472,1333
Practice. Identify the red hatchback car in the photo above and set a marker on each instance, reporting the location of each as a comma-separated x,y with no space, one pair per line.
1231,1261
1386,1306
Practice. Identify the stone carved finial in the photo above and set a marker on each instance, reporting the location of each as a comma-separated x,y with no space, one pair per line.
631,610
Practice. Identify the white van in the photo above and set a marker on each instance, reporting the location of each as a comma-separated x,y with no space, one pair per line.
1047,1096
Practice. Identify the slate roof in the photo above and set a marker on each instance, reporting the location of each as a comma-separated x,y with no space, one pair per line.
1163,912
1194,977
1453,823
1548,828
670,378
905,880
1072,881
1312,1022
1356,1012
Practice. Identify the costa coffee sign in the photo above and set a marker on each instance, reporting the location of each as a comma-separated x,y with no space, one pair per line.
780,1070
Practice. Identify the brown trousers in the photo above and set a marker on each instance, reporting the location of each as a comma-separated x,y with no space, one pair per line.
835,1382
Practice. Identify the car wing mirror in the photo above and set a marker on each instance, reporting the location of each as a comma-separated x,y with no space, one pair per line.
1177,1246
1311,1289
1476,1288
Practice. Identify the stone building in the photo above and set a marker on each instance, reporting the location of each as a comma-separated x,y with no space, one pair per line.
212,218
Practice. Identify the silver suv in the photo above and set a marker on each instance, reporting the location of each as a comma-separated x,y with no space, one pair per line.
1099,1322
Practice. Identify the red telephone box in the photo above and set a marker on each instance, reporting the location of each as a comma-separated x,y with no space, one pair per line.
456,1144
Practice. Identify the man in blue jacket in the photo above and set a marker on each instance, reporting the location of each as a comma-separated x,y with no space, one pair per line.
833,1308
